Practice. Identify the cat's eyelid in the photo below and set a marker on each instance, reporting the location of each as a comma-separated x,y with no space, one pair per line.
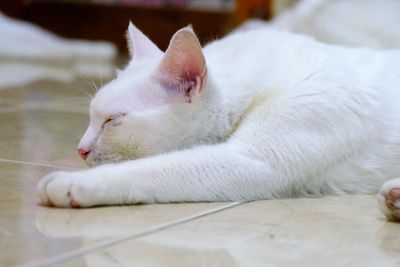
116,115
113,117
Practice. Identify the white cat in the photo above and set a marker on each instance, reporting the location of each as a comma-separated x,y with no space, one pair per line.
256,115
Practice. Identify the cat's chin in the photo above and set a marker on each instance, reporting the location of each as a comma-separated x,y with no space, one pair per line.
93,162
95,158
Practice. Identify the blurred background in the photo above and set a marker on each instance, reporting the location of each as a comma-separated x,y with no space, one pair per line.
43,39
159,19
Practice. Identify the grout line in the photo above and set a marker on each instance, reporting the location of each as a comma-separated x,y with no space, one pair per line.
37,164
108,243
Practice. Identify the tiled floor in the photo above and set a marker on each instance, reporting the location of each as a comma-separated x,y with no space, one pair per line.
40,126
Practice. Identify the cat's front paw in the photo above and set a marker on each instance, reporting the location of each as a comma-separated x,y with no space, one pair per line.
67,189
389,199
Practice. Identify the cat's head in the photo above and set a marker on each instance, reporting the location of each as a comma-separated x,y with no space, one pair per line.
158,103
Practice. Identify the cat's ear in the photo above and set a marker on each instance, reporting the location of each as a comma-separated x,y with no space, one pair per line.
141,47
183,67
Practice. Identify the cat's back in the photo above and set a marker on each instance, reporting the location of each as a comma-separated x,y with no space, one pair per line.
275,56
254,44
260,59
270,62
383,75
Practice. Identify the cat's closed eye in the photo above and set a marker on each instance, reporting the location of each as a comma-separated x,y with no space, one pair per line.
112,118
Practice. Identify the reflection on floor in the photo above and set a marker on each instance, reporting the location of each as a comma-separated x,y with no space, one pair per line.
40,127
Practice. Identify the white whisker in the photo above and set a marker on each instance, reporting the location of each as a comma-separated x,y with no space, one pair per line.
101,71
91,87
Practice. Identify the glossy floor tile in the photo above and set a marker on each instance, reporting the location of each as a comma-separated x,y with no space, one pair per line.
43,123
43,137
21,241
332,231
30,232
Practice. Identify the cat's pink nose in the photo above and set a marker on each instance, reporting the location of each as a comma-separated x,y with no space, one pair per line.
83,153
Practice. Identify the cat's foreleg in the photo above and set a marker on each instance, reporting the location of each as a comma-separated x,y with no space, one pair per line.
209,173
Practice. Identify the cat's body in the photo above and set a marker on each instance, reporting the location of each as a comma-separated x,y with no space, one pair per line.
266,115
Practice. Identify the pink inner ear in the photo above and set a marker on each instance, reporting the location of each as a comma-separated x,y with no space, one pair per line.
184,59
141,47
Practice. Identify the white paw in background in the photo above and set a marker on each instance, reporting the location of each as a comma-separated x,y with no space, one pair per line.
67,189
389,199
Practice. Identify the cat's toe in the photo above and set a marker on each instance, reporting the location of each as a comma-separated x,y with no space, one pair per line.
75,204
83,194
42,189
58,189
389,199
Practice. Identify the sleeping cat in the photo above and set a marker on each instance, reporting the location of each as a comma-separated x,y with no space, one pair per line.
255,115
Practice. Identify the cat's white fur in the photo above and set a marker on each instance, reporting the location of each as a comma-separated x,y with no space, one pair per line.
256,115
